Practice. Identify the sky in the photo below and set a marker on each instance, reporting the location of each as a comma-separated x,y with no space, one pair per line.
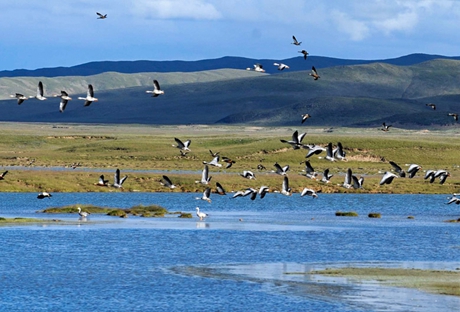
52,33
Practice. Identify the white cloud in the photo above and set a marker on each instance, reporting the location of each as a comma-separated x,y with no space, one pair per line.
357,30
176,9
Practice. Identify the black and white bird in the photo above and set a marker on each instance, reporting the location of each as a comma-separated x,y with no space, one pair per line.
257,67
101,16
214,154
281,66
183,146
281,170
309,171
156,89
347,183
102,182
44,195
308,192
89,96
285,189
305,117
453,200
433,106
118,181
357,183
200,214
329,152
398,169
205,178
40,93
83,214
20,97
65,98
166,181
206,195
263,190
2,176
442,175
413,169
429,174
314,73
455,115
385,127
248,191
248,175
387,178
229,161
297,43
314,150
326,176
305,54
338,152
219,189
296,141
214,162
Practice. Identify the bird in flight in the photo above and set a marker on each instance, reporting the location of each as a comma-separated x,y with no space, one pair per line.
21,98
89,96
156,89
314,73
433,106
305,54
101,16
455,115
297,43
385,128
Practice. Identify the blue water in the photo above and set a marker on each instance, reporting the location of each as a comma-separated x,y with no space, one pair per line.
222,263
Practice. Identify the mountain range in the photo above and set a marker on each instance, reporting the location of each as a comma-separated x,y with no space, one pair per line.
349,93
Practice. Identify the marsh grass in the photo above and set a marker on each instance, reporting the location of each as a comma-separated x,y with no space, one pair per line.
374,215
149,148
346,214
138,210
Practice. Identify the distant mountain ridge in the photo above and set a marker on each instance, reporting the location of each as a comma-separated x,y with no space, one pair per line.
142,66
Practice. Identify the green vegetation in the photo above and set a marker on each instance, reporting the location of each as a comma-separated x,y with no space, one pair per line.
139,210
438,282
185,215
346,214
137,148
15,221
374,215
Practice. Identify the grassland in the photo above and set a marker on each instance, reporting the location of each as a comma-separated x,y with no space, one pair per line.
39,157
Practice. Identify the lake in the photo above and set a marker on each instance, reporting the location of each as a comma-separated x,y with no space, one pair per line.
222,263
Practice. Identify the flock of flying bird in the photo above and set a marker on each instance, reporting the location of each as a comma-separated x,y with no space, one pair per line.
332,154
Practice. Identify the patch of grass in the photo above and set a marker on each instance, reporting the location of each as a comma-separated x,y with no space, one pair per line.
138,210
185,215
453,221
374,215
346,214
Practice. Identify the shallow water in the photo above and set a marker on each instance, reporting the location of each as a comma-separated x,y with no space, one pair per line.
223,264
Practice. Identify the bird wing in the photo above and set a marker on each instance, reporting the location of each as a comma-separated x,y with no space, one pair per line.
278,168
395,166
286,184
207,192
220,189
179,143
117,177
99,14
308,167
329,150
205,173
348,177
313,70
300,137
167,180
123,179
40,88
156,85
62,105
90,92
295,40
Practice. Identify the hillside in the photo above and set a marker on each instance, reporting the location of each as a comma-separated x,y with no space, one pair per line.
297,63
358,95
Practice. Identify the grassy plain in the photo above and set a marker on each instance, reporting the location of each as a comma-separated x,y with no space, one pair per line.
33,152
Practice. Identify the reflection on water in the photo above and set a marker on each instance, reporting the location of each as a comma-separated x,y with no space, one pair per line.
222,264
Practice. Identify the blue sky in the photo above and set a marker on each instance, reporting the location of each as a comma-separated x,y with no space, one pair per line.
50,33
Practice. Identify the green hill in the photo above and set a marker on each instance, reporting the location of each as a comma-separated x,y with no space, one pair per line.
358,95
